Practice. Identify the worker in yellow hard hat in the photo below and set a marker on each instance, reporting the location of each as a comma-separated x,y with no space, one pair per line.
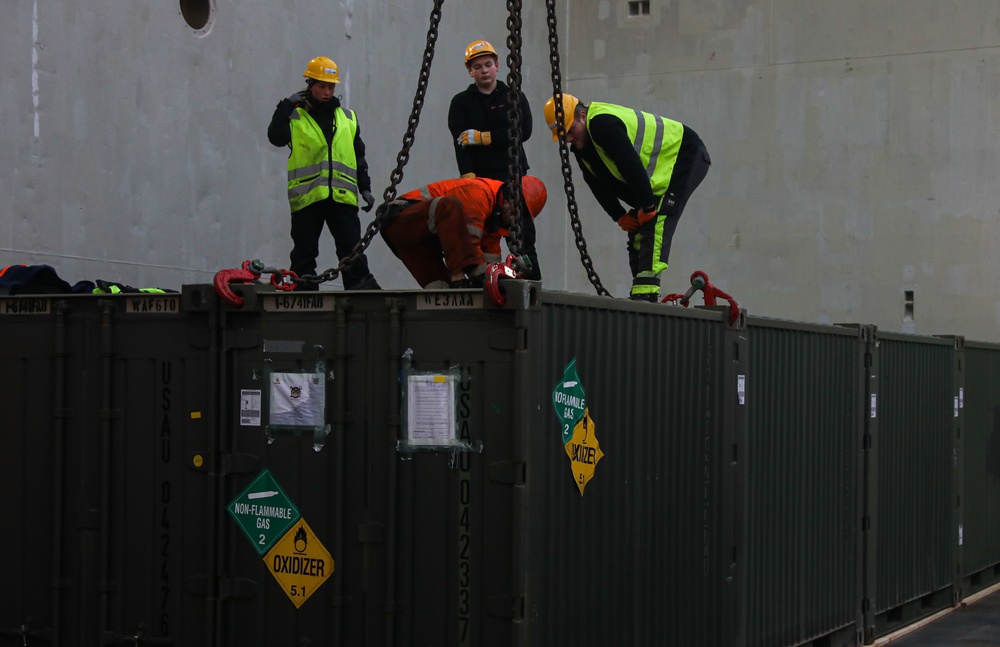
327,173
477,120
651,163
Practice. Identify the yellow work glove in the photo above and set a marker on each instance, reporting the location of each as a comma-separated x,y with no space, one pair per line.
646,214
629,222
474,138
466,176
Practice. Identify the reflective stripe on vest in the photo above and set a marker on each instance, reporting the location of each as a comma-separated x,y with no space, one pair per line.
317,169
657,140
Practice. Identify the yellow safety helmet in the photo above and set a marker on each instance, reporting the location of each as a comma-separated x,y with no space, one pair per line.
478,48
322,68
569,104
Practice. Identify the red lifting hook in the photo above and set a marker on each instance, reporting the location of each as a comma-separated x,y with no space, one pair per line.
249,273
497,271
699,281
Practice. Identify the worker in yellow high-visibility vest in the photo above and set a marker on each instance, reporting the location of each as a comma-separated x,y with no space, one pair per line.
651,163
327,172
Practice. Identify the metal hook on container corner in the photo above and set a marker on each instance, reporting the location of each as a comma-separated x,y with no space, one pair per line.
224,279
495,272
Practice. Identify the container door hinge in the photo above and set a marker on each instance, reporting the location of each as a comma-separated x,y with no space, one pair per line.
240,463
240,339
509,339
200,339
507,472
237,588
506,606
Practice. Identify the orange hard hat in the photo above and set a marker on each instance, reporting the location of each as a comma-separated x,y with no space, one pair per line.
534,193
322,68
569,104
478,48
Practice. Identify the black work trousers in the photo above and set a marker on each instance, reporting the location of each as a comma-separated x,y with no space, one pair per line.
344,224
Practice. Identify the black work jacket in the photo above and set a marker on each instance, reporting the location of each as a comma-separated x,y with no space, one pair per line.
471,109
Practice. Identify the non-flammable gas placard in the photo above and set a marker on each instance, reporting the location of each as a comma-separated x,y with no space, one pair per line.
578,435
300,563
264,512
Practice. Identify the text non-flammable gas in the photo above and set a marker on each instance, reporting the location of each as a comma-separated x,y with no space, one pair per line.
263,510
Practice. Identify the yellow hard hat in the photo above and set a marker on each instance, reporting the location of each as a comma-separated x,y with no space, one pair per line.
478,48
569,104
322,68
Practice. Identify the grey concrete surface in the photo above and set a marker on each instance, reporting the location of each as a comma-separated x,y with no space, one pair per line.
854,143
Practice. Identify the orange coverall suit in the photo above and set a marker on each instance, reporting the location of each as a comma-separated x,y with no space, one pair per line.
445,219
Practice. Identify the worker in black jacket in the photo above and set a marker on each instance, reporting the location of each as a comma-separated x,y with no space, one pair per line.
651,163
477,120
327,173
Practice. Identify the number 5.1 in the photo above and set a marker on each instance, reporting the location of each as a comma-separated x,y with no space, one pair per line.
298,590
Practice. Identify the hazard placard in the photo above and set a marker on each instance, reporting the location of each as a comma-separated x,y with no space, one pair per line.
300,562
578,433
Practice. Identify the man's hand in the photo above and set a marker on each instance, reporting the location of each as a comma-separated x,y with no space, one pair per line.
474,138
369,200
646,214
629,222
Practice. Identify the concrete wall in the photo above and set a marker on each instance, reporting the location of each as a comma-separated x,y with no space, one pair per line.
855,148
854,143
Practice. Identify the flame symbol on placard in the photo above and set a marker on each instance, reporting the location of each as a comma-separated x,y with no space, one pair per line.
300,536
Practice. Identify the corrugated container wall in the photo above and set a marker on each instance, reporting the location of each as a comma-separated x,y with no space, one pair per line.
915,533
178,470
496,546
648,555
804,395
114,399
980,531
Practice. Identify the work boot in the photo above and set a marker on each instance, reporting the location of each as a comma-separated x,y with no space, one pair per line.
367,283
651,298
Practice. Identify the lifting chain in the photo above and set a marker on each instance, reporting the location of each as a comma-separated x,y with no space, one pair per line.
404,154
513,187
574,215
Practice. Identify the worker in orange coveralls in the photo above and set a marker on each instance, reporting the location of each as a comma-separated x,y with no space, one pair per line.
447,232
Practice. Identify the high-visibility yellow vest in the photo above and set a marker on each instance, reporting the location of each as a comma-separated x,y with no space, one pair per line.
317,169
656,139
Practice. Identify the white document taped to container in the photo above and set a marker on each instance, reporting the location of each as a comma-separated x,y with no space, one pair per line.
297,399
430,418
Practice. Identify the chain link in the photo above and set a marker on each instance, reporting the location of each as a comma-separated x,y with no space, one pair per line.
567,171
512,194
401,159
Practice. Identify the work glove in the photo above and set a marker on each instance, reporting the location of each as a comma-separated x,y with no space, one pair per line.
369,200
474,138
629,222
646,214
300,98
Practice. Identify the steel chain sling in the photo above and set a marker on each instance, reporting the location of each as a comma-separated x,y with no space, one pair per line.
404,155
513,187
567,172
